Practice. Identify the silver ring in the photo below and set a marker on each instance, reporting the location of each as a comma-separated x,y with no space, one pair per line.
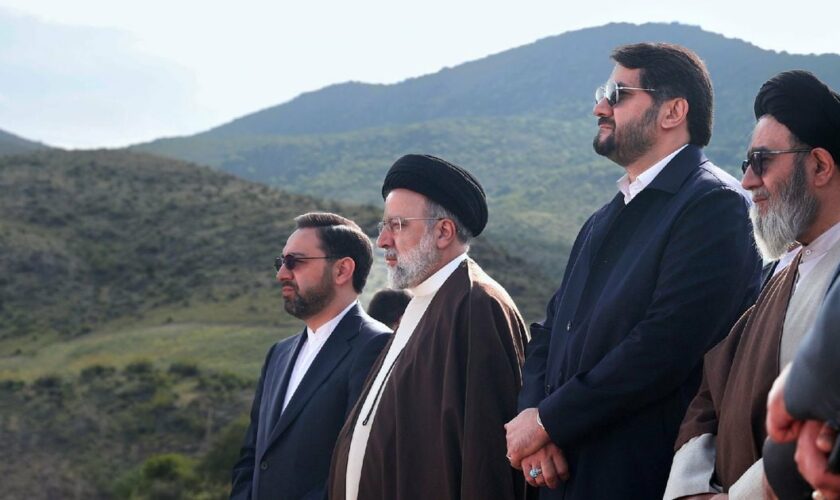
536,471
817,495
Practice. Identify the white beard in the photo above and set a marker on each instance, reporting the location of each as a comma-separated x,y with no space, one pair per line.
415,265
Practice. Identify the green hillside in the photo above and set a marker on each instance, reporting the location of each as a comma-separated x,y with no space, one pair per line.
11,144
520,119
137,301
90,240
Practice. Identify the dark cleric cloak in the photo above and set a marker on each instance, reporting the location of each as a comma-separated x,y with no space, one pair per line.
737,375
439,430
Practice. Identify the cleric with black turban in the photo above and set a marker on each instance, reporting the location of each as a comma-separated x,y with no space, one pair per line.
808,390
430,420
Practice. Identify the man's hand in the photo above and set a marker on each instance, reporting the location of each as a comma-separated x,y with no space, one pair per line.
524,436
812,448
781,426
552,464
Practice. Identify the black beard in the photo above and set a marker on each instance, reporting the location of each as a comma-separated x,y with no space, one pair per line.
303,306
636,140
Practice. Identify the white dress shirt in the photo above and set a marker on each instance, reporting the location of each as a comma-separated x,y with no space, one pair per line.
631,189
314,342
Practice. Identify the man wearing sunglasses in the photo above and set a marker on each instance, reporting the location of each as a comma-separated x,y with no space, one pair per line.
429,422
791,170
656,277
310,381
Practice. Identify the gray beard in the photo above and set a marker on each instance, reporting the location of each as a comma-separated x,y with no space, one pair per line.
415,265
787,218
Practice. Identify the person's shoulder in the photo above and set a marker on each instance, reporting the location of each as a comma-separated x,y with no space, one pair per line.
711,177
484,288
369,327
287,342
282,346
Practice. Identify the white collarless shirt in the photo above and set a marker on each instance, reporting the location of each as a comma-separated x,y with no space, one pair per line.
423,295
312,346
813,253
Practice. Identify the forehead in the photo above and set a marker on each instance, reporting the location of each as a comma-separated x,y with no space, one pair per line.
405,203
304,242
626,76
770,134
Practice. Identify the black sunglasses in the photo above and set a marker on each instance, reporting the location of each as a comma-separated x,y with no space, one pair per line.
755,160
611,91
292,261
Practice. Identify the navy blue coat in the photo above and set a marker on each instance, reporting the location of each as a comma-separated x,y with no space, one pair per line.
649,288
288,456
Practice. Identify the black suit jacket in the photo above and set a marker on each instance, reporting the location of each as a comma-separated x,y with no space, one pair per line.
287,456
648,289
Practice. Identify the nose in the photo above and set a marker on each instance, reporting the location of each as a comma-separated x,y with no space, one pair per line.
283,273
385,239
750,180
602,108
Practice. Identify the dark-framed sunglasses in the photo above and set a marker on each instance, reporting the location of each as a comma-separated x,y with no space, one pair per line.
292,261
755,160
611,91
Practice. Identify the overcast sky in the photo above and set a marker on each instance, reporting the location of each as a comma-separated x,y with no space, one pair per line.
92,73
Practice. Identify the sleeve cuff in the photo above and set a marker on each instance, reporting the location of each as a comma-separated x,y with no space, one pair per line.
693,468
750,486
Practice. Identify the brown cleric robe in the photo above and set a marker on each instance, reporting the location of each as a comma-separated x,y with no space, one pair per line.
737,375
438,432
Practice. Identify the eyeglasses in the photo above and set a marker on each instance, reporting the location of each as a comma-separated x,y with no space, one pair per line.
756,159
395,224
611,91
292,261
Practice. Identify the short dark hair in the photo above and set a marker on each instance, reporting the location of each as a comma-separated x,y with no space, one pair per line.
388,305
341,237
674,71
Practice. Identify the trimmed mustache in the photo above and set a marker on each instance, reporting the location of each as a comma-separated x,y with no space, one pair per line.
391,253
288,283
604,120
762,192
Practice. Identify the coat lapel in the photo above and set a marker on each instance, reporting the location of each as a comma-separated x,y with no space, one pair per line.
280,391
336,348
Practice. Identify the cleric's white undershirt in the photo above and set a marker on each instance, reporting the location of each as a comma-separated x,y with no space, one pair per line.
423,295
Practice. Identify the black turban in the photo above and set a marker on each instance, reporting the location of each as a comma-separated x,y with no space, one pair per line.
447,184
806,106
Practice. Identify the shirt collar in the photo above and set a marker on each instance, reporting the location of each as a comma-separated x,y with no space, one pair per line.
431,284
822,244
327,328
631,189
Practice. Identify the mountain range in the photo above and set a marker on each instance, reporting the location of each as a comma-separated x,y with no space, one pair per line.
137,297
520,119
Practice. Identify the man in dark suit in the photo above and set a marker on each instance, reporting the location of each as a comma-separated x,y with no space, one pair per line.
656,277
310,381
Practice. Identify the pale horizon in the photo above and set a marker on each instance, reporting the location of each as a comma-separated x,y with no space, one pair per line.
93,74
